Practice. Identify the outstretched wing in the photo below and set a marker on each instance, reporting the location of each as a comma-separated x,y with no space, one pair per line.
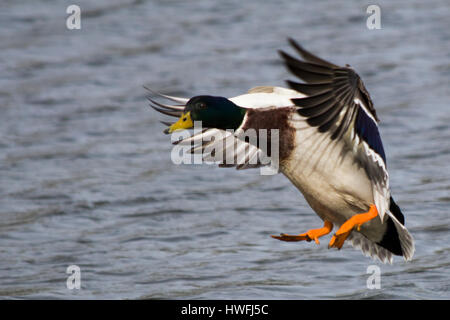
214,145
339,105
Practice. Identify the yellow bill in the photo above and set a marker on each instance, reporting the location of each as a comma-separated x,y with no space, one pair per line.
185,122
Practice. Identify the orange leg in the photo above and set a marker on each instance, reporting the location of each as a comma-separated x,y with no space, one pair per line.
313,234
338,239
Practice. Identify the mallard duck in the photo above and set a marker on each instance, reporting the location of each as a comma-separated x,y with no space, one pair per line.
329,147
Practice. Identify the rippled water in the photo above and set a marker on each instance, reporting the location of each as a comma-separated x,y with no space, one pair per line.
85,171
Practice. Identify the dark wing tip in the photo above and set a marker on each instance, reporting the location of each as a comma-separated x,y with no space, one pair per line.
283,54
167,112
308,56
296,45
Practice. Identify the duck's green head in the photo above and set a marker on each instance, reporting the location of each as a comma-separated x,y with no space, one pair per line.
214,112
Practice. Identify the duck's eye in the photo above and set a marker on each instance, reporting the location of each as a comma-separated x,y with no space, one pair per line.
201,105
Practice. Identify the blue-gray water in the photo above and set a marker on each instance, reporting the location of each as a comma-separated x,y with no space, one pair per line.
85,172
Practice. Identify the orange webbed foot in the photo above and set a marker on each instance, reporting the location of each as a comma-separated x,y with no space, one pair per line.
338,239
313,234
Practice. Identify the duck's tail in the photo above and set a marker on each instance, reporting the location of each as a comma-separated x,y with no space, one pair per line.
396,240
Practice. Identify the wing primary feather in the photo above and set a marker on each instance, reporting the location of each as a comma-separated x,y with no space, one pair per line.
167,106
316,110
310,88
296,67
166,112
326,120
176,99
312,101
322,119
307,66
309,56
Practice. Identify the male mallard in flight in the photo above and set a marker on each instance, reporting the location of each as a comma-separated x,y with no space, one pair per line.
329,148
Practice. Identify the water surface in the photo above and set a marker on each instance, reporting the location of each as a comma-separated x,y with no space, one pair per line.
85,171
